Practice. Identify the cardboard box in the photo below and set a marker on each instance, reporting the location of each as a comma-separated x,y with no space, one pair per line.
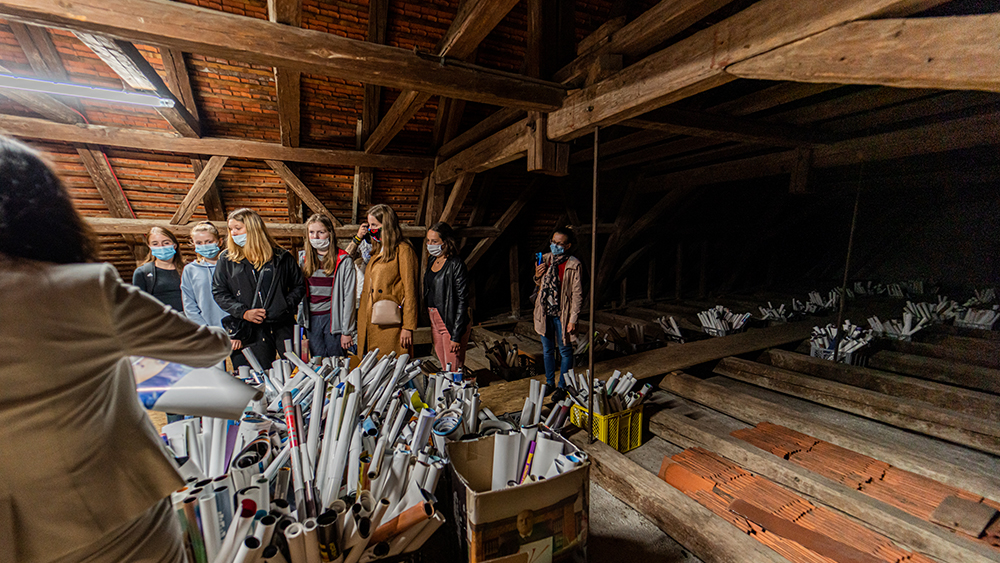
540,522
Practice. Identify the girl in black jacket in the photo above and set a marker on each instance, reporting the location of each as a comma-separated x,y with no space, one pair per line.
259,284
446,293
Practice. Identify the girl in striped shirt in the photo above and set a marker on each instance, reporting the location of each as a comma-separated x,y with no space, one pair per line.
329,311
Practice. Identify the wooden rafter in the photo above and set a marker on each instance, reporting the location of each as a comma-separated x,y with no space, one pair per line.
697,124
501,225
495,122
295,184
204,180
457,197
957,53
164,142
474,21
210,32
509,144
364,177
286,80
103,177
135,70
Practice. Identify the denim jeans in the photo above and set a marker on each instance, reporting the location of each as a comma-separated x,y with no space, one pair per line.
552,339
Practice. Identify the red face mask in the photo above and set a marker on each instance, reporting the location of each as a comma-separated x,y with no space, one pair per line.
375,234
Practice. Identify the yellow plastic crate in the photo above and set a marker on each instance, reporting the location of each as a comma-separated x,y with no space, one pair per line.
622,431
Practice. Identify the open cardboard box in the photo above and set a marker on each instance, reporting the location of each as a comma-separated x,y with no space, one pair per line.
540,522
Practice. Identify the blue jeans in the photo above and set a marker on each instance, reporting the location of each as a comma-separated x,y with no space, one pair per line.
321,342
552,339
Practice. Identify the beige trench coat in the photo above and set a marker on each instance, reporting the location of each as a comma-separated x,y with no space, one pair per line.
388,279
570,297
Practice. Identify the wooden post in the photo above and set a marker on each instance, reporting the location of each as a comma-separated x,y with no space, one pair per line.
651,279
703,270
515,288
677,272
624,292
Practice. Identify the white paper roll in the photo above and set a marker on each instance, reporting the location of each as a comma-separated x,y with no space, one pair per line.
546,451
180,389
505,455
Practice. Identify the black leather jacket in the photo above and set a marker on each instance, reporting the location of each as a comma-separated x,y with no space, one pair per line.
448,291
235,283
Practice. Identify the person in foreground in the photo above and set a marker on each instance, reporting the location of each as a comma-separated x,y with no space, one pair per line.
85,475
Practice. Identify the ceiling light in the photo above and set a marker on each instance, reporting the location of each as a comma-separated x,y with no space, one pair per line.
78,91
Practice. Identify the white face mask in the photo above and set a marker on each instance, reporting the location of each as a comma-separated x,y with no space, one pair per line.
320,243
435,249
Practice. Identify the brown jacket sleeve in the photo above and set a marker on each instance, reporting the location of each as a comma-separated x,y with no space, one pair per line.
576,302
408,269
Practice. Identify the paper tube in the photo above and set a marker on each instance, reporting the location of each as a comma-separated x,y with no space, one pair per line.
526,470
506,449
265,529
331,489
433,474
407,519
537,413
264,492
326,534
272,554
356,551
210,529
375,552
194,534
315,418
312,540
237,531
432,526
526,412
249,551
296,538
179,389
528,434
353,462
546,451
423,430
329,436
217,462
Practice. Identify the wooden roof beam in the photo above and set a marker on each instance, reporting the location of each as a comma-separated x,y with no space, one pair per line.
103,177
364,178
286,81
305,194
29,128
135,70
505,146
474,21
698,63
724,128
204,180
240,38
955,53
501,225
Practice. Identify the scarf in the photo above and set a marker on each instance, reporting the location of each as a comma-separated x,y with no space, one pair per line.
550,287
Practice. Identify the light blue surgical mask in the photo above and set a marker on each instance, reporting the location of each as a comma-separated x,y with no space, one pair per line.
207,250
556,249
164,253
240,240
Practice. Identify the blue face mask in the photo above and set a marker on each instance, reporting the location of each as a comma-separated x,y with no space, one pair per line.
556,249
207,250
163,252
240,240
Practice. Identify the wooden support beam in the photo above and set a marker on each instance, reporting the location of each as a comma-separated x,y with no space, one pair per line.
651,278
934,369
202,183
479,209
41,52
515,282
985,356
178,79
29,128
697,63
918,534
495,122
972,403
753,411
544,156
916,416
287,81
501,225
214,206
135,70
435,201
104,180
473,22
678,278
954,53
509,144
627,143
295,184
210,32
799,184
457,198
364,177
709,537
722,128
422,200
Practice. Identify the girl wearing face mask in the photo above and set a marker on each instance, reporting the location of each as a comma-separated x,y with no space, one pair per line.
558,303
258,282
387,313
196,279
160,274
328,311
446,293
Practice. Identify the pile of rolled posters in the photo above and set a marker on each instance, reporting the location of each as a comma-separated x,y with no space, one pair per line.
720,321
583,344
531,454
770,313
939,312
339,466
619,393
982,297
868,288
895,290
670,328
804,308
831,343
179,389
831,301
897,329
977,318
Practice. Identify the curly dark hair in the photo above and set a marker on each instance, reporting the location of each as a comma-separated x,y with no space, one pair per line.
37,217
448,238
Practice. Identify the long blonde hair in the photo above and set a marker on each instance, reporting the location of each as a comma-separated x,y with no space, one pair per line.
312,261
177,260
391,234
204,227
260,245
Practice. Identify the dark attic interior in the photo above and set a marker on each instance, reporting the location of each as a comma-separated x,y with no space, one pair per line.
787,251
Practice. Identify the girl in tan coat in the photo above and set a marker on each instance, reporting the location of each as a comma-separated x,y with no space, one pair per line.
391,275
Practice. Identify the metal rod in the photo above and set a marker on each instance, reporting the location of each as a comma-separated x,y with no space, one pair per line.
590,326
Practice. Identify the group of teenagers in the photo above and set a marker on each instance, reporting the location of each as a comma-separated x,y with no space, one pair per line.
349,300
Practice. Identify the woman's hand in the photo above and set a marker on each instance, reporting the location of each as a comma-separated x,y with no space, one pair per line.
406,338
346,342
539,272
454,347
570,328
255,316
236,345
363,230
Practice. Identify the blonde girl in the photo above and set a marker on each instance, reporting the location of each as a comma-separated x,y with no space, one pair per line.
160,274
329,311
196,279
